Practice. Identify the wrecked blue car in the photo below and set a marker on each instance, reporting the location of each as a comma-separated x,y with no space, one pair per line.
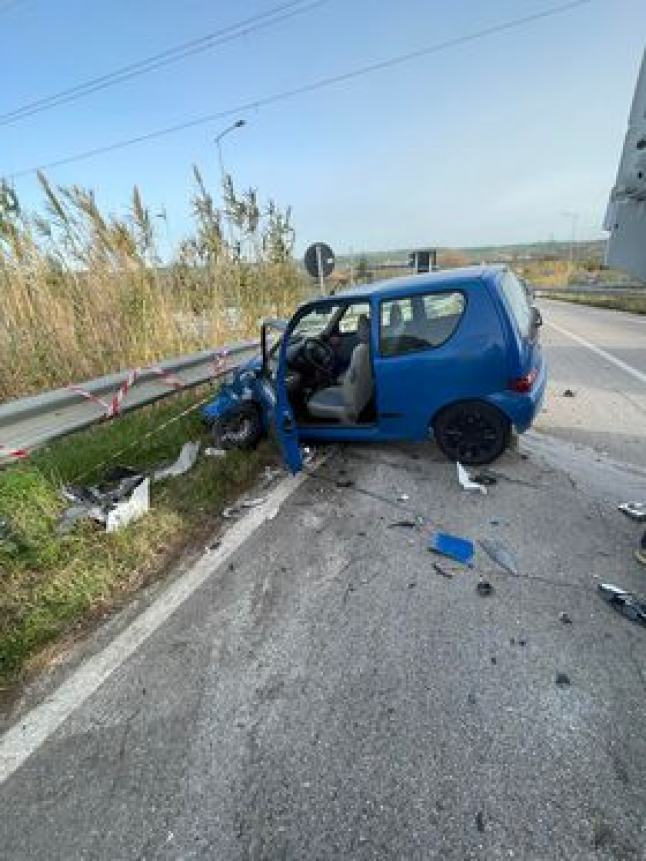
453,355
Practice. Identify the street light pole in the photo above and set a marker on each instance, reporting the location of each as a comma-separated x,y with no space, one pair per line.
223,176
237,125
574,218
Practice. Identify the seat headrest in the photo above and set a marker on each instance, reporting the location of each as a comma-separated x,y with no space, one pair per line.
363,329
396,315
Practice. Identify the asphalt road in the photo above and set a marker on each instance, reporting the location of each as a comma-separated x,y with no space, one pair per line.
608,412
326,693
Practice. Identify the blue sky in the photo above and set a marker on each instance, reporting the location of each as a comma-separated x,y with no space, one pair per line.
488,142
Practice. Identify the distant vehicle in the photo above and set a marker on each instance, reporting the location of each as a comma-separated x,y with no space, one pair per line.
452,354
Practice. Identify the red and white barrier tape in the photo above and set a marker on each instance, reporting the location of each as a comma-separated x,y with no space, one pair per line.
14,453
113,408
89,396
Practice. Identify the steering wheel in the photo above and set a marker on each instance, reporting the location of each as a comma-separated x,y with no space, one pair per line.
319,355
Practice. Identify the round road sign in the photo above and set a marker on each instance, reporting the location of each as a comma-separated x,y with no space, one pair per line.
319,256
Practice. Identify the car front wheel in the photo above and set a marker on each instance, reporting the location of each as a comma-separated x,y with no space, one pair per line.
472,432
241,429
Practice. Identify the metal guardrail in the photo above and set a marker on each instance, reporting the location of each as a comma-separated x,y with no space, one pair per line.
29,423
593,289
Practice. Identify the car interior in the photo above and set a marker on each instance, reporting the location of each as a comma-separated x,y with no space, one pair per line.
330,377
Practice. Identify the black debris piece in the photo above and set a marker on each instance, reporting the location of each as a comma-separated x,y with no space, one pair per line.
442,571
471,698
344,482
480,825
494,660
484,587
625,602
562,680
486,478
522,642
412,585
565,618
568,393
403,524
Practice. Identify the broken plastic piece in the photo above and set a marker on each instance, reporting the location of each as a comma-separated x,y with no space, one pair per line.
403,497
96,503
130,509
634,510
185,461
484,587
215,452
565,618
562,680
465,480
625,602
568,393
460,549
503,557
403,524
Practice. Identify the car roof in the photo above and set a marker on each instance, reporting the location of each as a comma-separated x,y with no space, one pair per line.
409,285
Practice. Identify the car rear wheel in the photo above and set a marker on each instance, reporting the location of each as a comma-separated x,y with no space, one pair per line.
472,432
241,429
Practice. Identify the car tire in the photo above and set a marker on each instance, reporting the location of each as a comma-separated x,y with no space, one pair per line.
473,432
241,429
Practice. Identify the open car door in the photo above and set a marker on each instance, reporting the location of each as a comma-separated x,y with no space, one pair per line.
273,391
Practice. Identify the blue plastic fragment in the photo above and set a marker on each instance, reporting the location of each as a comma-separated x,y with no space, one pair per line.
460,549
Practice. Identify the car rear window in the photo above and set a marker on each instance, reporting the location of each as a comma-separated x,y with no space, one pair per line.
516,297
419,322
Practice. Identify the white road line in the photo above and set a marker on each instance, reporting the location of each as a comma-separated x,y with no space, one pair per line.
638,375
34,729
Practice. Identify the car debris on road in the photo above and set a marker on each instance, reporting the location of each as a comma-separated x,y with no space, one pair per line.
625,602
634,510
236,510
466,482
443,572
460,549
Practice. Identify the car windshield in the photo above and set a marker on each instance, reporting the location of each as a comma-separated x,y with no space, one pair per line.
315,322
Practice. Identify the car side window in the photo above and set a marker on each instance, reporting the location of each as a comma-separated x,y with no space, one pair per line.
419,322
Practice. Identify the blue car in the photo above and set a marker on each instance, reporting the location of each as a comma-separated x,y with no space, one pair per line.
454,355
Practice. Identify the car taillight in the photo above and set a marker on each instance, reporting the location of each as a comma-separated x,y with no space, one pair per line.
524,384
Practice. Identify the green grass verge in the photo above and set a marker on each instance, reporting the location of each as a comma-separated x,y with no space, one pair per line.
51,583
634,304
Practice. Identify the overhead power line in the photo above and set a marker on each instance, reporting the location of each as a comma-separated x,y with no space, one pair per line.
272,16
308,88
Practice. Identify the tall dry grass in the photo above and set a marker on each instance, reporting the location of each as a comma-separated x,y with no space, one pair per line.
84,293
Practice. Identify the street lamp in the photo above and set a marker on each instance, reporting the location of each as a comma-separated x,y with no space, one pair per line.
237,125
574,218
